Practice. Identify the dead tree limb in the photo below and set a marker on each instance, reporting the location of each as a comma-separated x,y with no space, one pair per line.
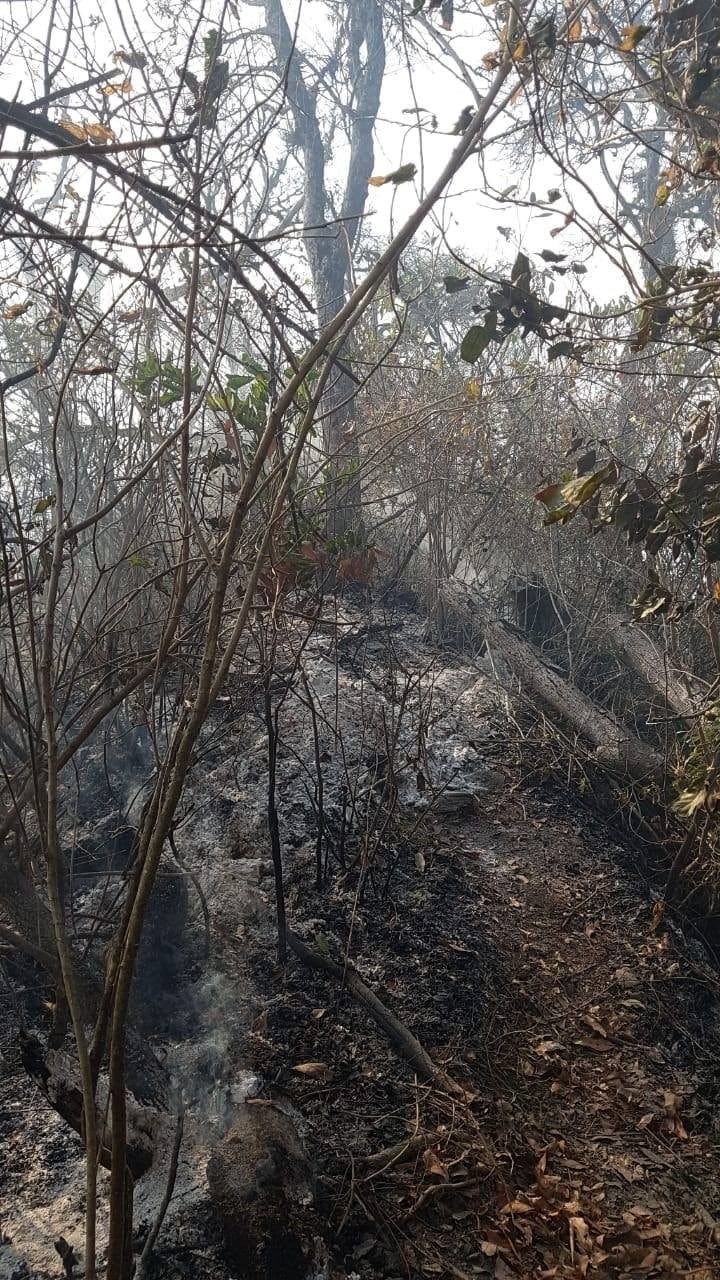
637,650
402,1039
616,749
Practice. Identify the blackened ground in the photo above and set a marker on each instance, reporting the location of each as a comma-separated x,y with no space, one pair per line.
533,961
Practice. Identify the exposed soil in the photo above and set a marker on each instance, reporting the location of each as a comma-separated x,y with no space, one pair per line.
518,942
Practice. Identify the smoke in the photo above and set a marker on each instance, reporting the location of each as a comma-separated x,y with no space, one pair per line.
203,1074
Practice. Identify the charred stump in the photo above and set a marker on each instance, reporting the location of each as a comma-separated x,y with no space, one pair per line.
261,1185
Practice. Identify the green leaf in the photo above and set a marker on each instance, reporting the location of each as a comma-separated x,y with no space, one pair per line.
520,274
463,120
146,373
257,370
405,173
654,599
563,500
189,81
543,35
212,44
477,338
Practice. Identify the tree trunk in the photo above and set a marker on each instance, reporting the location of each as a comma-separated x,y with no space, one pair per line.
616,749
329,240
637,650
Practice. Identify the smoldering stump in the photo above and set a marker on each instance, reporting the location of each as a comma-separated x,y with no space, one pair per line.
261,1184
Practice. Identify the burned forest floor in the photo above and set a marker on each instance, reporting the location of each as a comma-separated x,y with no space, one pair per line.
508,927
533,965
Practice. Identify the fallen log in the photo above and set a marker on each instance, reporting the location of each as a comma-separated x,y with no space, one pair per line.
56,1077
616,748
34,934
637,650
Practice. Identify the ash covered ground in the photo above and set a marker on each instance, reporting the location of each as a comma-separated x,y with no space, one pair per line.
499,923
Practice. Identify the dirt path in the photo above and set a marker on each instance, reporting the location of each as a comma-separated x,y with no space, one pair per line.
586,1027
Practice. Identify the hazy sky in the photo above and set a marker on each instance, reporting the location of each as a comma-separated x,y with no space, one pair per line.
468,215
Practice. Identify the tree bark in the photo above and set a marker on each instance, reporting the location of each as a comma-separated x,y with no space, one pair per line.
616,749
329,242
638,651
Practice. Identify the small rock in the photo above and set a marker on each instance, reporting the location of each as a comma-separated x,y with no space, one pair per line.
455,802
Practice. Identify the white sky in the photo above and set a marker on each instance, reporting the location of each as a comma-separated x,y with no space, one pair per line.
468,216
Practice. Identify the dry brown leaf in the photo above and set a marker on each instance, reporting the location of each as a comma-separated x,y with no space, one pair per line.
631,36
627,1169
16,309
316,1070
434,1166
88,132
575,31
580,1238
673,1124
75,130
122,86
658,915
596,1044
569,217
99,133
595,1025
549,1046
517,1206
503,1271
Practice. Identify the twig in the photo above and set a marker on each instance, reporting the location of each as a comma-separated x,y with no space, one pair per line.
351,1197
438,1188
407,1149
582,903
